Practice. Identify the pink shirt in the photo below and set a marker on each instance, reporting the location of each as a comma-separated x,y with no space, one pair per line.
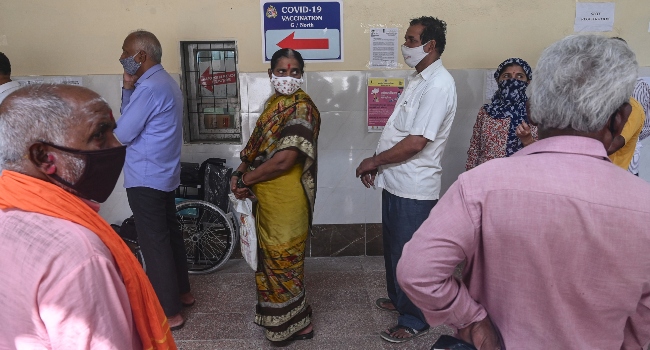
557,244
60,287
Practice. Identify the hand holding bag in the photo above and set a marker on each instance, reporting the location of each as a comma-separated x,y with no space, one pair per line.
242,210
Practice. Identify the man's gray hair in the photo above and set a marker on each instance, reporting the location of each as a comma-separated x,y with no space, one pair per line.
148,43
581,81
31,114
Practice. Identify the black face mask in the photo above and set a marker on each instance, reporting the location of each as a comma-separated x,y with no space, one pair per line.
100,174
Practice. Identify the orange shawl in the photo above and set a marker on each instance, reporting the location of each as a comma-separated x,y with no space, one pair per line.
33,195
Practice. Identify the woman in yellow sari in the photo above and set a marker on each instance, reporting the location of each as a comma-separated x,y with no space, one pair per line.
279,167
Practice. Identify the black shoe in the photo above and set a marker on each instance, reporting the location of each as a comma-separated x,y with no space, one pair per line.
302,336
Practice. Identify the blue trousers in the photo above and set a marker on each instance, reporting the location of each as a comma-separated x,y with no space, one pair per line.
401,217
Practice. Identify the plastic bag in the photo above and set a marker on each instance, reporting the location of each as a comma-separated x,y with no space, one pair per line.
242,210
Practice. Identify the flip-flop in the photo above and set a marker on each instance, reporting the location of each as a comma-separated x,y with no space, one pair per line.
414,334
302,336
381,301
177,327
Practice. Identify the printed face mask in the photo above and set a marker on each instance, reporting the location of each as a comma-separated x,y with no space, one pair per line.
413,55
130,65
100,174
512,90
285,85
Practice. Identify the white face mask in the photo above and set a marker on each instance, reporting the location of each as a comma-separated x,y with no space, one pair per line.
413,55
285,85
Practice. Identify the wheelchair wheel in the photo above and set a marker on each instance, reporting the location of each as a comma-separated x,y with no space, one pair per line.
140,257
208,234
131,241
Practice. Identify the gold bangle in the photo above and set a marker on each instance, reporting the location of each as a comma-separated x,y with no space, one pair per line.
242,179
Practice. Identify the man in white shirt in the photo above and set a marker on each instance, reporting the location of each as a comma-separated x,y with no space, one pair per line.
407,162
6,85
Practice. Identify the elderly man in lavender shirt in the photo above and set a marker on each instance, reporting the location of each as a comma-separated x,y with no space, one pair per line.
556,237
151,127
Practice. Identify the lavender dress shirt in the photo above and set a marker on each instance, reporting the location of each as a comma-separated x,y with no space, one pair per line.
557,244
151,126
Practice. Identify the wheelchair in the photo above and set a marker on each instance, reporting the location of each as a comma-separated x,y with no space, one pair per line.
204,216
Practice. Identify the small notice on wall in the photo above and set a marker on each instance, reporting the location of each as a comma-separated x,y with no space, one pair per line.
383,47
491,85
594,17
382,98
68,80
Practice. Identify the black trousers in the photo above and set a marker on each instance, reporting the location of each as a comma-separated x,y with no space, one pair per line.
161,241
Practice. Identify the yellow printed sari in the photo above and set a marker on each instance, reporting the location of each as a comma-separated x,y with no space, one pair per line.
284,211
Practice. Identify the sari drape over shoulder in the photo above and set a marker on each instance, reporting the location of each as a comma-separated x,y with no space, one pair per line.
287,122
283,212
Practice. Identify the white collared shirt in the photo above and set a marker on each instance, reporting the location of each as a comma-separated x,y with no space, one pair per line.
427,108
7,88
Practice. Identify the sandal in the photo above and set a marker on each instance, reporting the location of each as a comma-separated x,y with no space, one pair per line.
386,335
379,303
302,336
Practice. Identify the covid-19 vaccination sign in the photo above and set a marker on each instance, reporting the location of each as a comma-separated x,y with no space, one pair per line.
313,28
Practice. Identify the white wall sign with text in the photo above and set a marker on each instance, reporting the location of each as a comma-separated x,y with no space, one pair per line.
383,47
68,80
594,17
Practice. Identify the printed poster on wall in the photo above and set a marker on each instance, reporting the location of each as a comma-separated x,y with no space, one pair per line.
594,17
382,98
383,47
314,28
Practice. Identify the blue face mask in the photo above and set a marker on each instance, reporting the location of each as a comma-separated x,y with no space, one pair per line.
130,65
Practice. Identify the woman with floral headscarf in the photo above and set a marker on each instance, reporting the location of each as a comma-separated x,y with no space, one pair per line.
495,130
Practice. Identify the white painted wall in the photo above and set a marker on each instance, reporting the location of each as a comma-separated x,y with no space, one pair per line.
343,143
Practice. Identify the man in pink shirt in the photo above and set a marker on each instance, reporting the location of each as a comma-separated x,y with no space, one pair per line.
60,288
556,237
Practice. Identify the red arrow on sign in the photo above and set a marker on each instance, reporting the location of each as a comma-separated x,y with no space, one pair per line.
303,44
208,80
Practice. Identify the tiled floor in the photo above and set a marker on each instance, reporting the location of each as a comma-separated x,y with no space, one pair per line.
341,291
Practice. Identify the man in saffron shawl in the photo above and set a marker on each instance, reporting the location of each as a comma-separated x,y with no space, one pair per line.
69,282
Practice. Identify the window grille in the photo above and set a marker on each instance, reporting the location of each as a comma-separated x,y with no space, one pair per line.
210,85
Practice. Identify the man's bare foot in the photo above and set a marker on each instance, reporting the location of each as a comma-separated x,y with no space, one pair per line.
187,299
400,333
176,322
385,304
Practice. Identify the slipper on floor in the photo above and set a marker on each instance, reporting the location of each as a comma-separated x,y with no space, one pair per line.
381,301
177,327
302,336
386,335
